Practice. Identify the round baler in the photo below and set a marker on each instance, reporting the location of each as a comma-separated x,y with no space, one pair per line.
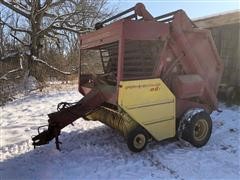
149,78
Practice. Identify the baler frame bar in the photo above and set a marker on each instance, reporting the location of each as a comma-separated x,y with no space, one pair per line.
139,10
164,16
169,17
100,24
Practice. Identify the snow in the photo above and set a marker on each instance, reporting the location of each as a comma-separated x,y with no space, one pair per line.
91,150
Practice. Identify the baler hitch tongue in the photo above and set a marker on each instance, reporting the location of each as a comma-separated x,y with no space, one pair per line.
67,113
45,137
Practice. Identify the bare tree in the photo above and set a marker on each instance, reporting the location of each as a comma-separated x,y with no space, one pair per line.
51,19
1,39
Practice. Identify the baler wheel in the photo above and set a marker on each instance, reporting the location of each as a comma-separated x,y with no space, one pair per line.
137,139
198,130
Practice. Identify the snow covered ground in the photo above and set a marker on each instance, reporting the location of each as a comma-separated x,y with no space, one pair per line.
90,150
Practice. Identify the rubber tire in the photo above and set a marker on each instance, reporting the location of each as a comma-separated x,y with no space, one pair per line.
132,134
188,132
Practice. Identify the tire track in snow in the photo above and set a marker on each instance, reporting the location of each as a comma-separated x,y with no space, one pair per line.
159,165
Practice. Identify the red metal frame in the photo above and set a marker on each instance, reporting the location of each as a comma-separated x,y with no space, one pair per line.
193,48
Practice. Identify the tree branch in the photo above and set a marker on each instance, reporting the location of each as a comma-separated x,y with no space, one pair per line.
15,28
52,37
13,2
58,3
49,66
45,6
70,29
9,55
4,77
15,37
98,12
15,9
57,19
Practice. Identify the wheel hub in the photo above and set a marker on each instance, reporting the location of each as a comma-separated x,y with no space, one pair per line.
200,129
139,141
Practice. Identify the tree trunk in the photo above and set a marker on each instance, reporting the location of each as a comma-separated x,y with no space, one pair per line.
35,46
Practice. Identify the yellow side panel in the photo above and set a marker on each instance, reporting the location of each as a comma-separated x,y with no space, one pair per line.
151,104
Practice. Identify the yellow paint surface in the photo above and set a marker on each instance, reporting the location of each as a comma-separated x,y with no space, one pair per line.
151,104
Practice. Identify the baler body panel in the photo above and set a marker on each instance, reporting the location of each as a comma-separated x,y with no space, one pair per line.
104,36
151,104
